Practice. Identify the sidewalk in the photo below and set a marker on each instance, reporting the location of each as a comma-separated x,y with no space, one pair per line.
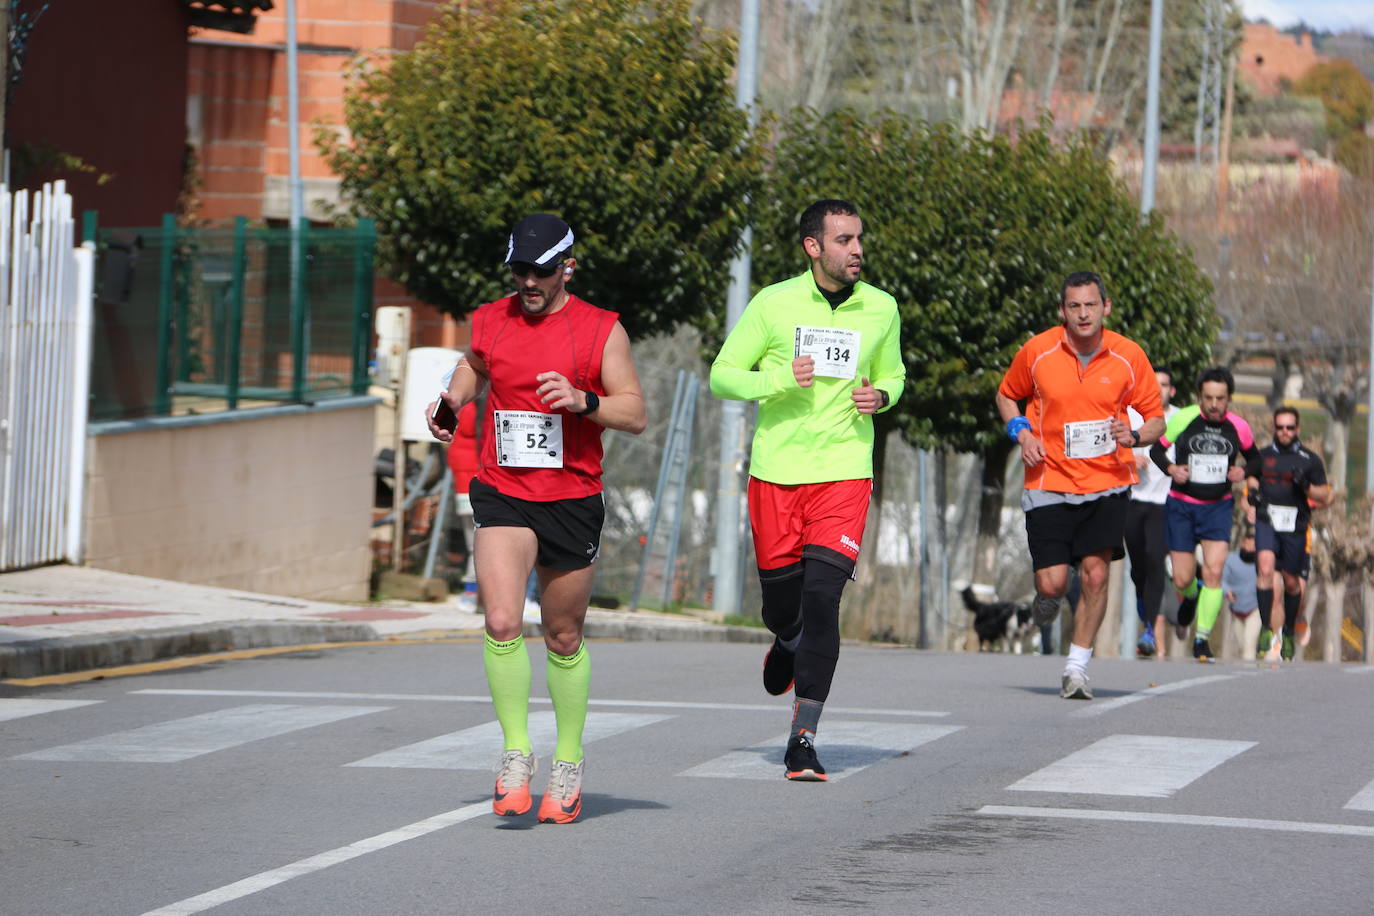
59,619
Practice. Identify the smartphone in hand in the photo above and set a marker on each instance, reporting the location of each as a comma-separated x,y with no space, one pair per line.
444,417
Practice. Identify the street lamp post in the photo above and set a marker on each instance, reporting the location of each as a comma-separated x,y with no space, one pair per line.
727,580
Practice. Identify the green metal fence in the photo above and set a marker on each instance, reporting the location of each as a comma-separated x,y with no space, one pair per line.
203,319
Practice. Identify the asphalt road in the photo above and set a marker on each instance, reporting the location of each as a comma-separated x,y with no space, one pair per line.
357,781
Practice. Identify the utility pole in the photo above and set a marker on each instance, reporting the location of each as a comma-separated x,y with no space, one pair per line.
726,589
1121,571
1369,417
1151,157
1224,157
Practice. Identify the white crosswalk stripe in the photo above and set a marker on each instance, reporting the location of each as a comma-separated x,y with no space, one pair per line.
21,707
181,739
479,747
844,748
1140,765
1363,800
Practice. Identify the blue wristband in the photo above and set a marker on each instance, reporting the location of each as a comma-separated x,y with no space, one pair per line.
1014,427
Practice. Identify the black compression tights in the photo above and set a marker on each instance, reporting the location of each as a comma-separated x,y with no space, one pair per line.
817,590
782,593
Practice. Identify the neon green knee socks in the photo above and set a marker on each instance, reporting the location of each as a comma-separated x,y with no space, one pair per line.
508,676
570,682
1208,607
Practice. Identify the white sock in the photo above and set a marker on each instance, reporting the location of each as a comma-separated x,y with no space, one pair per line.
1078,659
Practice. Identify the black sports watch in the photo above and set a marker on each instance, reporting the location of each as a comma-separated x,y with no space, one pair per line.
1135,434
593,402
886,399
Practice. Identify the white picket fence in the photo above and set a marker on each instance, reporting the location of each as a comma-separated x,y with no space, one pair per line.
46,285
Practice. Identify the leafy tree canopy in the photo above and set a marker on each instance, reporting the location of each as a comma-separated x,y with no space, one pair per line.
1343,89
973,235
617,115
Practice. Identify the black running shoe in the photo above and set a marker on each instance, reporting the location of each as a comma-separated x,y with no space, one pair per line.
1187,610
1202,650
801,762
777,669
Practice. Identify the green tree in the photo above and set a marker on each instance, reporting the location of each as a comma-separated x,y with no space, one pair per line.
617,115
1343,89
973,236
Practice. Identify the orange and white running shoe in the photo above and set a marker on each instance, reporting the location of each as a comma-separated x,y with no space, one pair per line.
513,774
562,801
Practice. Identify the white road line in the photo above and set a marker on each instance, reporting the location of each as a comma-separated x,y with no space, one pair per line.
19,708
181,739
843,747
1139,765
458,698
264,880
1186,820
1362,669
1363,800
1098,707
479,747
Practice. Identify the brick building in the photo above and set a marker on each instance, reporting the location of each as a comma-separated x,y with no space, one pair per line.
237,115
1269,59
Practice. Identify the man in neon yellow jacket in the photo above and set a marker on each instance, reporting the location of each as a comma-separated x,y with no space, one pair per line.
821,355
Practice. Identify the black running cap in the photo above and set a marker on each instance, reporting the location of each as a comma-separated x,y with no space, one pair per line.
538,239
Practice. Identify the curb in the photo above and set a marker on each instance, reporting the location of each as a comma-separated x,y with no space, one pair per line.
42,657
664,631
61,655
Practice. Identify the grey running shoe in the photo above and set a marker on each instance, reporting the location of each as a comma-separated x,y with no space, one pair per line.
1076,687
562,801
1046,611
513,774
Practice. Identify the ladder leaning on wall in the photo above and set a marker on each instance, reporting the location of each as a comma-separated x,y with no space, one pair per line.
45,328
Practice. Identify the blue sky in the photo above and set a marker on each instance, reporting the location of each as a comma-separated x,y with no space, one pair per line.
1336,15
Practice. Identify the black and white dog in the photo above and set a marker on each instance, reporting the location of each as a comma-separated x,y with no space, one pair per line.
1002,626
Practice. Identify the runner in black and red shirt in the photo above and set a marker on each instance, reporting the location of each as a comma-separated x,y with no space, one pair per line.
1284,482
1211,446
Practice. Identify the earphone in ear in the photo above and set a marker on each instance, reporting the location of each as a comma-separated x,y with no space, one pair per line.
567,271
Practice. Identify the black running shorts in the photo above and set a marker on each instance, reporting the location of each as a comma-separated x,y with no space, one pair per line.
1289,547
1064,533
568,530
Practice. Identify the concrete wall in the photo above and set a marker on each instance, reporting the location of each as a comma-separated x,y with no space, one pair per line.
276,500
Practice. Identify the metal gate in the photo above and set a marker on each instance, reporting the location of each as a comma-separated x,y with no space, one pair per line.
45,329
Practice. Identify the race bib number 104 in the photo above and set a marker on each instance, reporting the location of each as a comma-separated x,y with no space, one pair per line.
1208,468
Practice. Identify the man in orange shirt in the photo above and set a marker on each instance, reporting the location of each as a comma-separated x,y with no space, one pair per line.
1077,381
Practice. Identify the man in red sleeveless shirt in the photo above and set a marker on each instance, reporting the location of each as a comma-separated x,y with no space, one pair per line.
560,372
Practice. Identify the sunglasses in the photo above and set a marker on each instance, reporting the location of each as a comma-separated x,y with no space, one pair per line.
543,273
1277,426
